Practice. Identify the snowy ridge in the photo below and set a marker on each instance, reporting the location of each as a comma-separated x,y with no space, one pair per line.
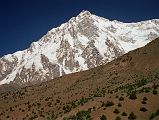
84,42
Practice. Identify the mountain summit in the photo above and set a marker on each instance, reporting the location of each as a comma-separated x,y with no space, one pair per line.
84,42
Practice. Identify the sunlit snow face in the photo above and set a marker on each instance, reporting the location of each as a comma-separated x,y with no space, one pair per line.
84,42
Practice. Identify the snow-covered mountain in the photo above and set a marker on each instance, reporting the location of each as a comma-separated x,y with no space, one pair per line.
84,42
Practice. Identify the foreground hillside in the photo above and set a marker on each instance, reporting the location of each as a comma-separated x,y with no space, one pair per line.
126,88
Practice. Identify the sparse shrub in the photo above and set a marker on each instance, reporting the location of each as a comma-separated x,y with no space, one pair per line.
109,103
67,108
103,117
154,92
116,111
143,109
121,98
153,115
58,101
32,118
89,110
82,115
1,114
73,104
142,82
146,89
73,117
133,95
157,112
82,101
155,86
53,117
99,93
49,104
118,118
145,98
47,98
119,105
94,108
11,109
143,102
41,115
103,104
124,114
29,106
132,116
65,118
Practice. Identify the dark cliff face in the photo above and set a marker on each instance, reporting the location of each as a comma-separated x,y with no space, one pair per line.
6,66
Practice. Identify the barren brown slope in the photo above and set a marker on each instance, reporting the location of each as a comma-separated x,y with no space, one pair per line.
133,74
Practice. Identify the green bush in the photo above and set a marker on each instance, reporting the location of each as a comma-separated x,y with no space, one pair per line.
83,101
124,114
94,108
154,92
157,112
99,93
53,117
73,104
143,109
153,115
108,104
146,89
155,86
103,117
82,115
118,118
145,98
143,102
116,111
132,116
141,82
67,108
121,98
133,95
119,105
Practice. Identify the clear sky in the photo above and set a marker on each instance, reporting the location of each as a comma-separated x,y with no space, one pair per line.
25,21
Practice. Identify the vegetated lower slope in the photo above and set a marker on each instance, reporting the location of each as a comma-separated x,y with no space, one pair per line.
125,88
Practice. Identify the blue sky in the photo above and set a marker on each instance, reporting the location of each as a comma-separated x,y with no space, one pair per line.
25,21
